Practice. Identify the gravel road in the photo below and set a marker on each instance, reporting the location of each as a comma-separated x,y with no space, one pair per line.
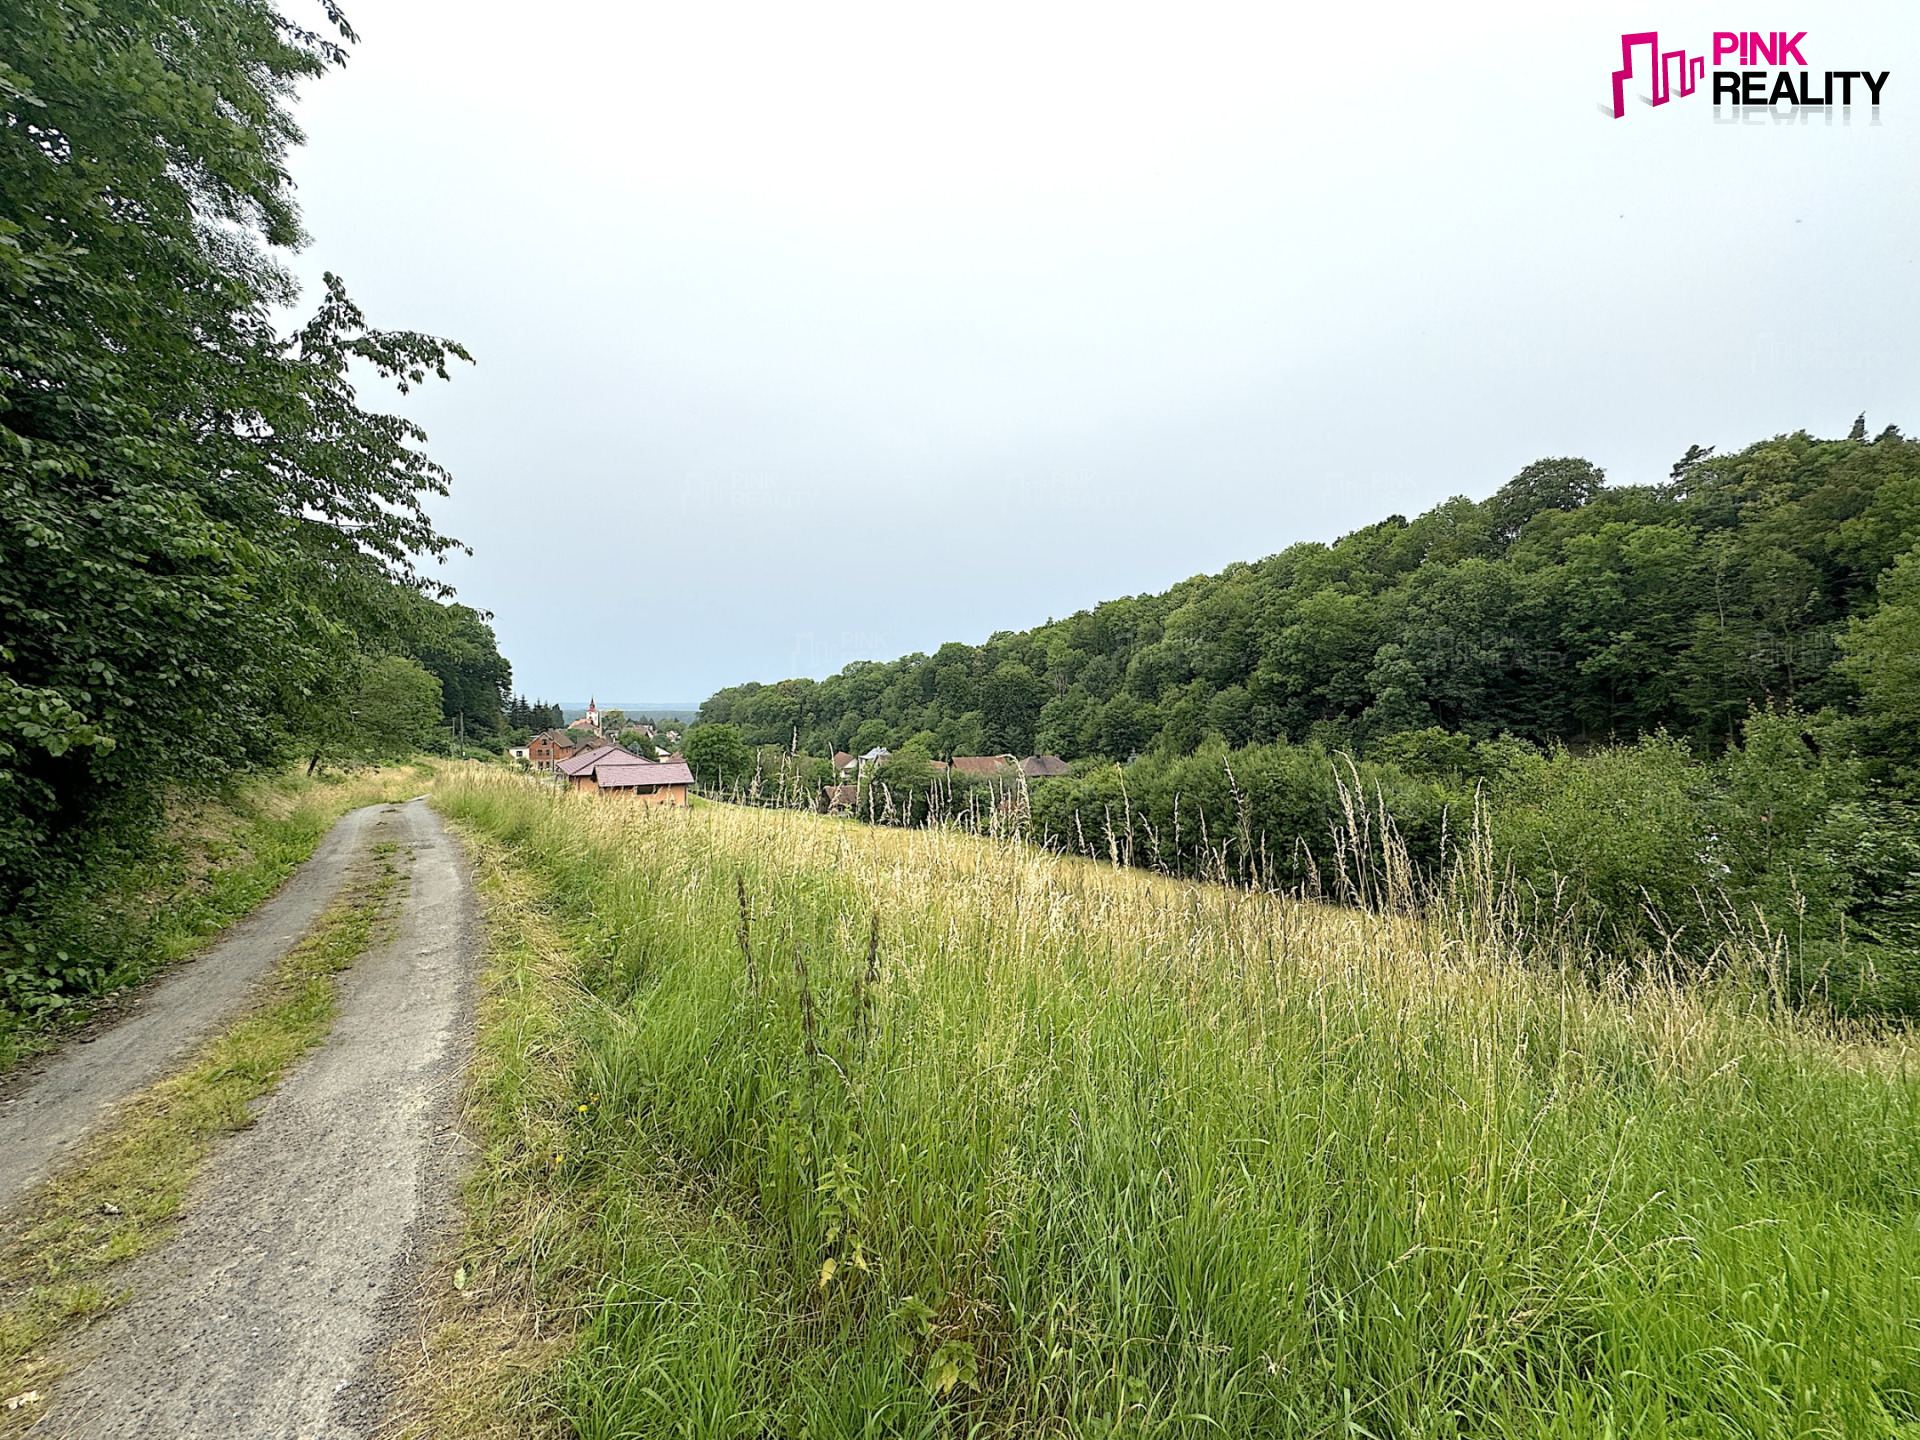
54,1104
264,1318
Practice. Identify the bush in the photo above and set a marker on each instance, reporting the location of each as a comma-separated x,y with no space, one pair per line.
718,756
1620,842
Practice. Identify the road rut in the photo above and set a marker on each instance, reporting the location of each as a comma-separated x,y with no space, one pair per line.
264,1317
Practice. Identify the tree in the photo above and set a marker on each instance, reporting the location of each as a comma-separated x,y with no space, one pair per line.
455,643
384,709
907,779
870,735
718,756
1882,656
193,507
1010,702
1123,726
398,709
1566,483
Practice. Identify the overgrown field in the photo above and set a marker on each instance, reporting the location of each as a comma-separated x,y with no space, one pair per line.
858,1131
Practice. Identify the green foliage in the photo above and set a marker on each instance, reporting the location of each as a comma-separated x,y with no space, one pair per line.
202,532
398,709
870,735
1642,849
1563,484
907,786
456,645
1620,842
718,756
1882,656
526,719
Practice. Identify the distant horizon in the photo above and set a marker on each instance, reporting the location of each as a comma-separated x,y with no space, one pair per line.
572,709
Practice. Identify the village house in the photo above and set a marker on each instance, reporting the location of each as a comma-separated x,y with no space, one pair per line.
985,767
1006,767
610,770
546,750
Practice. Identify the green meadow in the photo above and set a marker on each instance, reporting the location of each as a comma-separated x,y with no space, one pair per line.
840,1130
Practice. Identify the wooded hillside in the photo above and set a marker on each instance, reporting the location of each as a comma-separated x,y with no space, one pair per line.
1559,609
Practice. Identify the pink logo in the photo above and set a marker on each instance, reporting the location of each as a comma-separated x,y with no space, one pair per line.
1773,70
1692,68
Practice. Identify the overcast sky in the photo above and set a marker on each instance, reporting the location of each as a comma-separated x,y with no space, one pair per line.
815,333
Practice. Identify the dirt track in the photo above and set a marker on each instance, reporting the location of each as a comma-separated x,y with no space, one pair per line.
264,1317
58,1101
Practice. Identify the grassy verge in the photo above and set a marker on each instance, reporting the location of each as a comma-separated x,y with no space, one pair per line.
884,1132
61,1257
502,1304
217,858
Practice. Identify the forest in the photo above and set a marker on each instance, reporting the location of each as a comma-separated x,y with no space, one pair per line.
210,550
1679,709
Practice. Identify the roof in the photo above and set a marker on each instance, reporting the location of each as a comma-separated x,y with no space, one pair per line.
841,759
584,762
1040,767
558,737
984,764
621,771
842,794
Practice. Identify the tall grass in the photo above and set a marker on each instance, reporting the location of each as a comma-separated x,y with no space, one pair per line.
910,1132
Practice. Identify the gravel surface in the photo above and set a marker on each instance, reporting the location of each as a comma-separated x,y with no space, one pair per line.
264,1318
54,1103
